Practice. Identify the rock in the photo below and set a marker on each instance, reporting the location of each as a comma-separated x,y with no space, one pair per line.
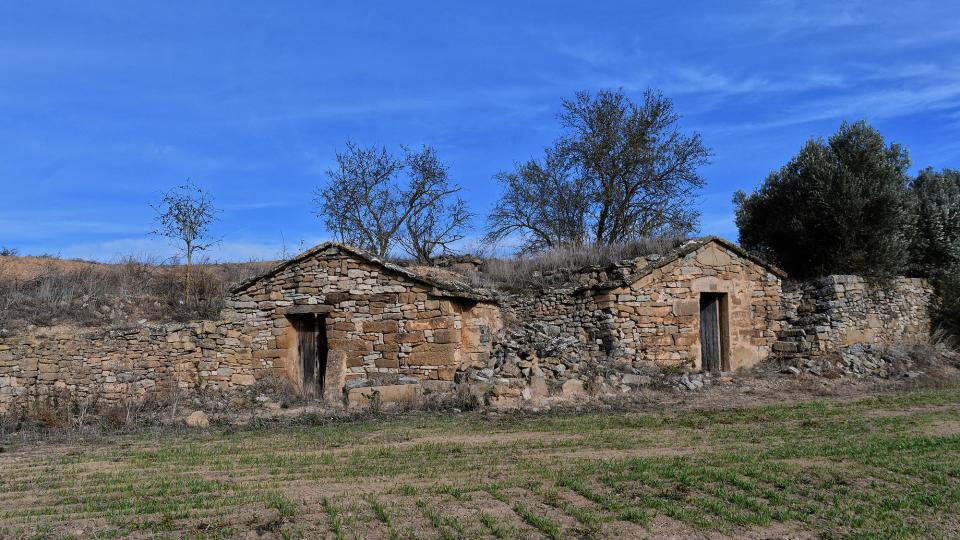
538,386
198,419
790,370
636,380
573,389
356,383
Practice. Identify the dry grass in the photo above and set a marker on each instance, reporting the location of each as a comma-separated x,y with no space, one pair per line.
559,266
46,291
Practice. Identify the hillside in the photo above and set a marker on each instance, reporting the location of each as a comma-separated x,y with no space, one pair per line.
65,294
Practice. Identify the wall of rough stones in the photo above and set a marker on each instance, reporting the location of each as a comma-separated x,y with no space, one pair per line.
633,325
115,365
379,323
828,314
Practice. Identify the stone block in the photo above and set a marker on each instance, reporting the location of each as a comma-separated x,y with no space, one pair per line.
449,335
682,308
573,389
434,323
388,394
242,379
390,361
430,354
381,327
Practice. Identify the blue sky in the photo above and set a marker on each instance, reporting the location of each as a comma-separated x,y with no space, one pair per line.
105,105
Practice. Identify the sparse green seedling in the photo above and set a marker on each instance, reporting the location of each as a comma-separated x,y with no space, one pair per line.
496,528
546,525
334,519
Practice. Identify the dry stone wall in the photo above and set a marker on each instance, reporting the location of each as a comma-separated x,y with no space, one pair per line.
116,365
621,325
379,323
655,320
828,314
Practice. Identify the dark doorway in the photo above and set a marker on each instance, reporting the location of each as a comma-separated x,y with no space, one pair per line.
713,332
312,344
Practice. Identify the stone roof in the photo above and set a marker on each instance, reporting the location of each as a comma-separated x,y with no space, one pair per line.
682,251
442,287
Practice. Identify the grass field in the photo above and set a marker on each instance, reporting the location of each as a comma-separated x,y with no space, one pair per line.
881,467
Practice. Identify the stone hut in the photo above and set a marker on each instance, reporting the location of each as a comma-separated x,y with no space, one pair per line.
708,305
335,317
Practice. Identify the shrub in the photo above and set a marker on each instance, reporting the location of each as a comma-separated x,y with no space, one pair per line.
838,207
948,314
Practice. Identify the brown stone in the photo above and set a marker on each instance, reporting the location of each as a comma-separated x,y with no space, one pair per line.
383,327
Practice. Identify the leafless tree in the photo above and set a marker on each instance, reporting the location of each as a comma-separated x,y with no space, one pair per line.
434,228
632,173
544,202
184,216
365,204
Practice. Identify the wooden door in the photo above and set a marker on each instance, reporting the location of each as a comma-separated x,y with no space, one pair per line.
312,344
710,342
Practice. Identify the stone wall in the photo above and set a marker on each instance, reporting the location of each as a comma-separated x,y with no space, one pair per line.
115,365
612,327
830,313
379,323
650,321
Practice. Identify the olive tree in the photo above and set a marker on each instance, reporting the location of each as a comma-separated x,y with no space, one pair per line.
839,206
935,237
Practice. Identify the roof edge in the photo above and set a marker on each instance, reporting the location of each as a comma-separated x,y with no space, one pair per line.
683,250
441,289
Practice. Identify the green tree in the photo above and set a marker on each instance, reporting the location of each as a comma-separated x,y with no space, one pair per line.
840,206
935,238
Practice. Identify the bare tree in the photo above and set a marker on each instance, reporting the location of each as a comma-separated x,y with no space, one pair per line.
632,174
436,226
184,216
544,203
364,203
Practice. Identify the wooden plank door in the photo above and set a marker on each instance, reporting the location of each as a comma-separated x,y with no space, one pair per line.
710,347
312,344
